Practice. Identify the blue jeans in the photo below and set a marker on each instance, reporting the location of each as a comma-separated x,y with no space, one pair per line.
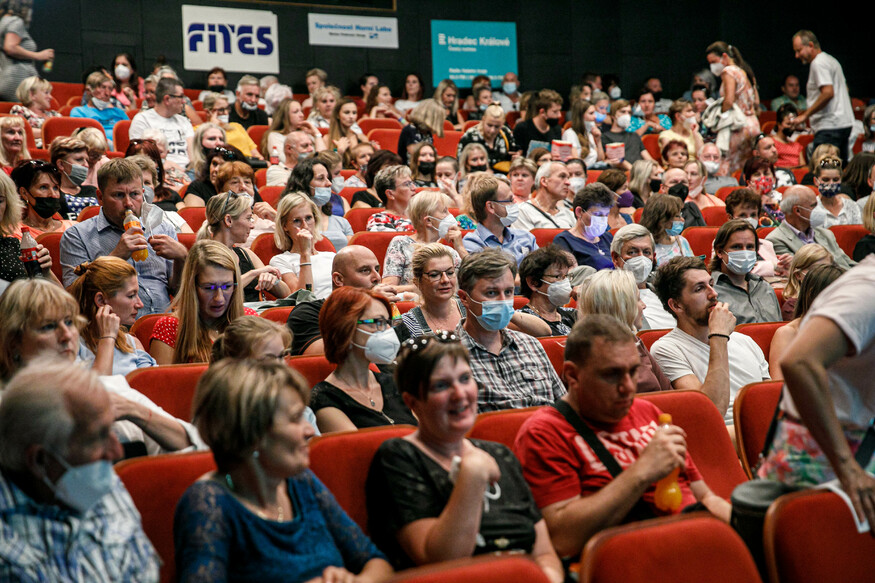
837,137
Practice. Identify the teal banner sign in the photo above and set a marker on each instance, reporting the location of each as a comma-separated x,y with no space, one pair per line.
463,49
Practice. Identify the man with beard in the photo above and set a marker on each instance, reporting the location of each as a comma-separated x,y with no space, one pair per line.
703,353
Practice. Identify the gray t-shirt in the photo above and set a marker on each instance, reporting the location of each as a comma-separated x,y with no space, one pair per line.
13,71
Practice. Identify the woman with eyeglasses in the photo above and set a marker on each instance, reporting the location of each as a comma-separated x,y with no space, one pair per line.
436,495
209,298
433,222
434,272
833,208
38,184
229,221
356,329
297,230
544,281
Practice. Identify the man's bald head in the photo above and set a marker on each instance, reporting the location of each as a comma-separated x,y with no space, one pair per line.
355,266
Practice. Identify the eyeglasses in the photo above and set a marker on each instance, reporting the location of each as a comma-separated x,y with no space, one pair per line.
444,337
308,220
508,201
221,110
407,184
213,287
435,276
180,96
379,323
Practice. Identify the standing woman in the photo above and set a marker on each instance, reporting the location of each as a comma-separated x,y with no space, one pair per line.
38,184
19,49
344,132
447,95
35,95
209,298
356,329
738,87
228,221
13,142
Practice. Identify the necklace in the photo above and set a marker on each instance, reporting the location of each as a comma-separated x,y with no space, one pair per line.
258,511
597,248
366,395
541,314
445,323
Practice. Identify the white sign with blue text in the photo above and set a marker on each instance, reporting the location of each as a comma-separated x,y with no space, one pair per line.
237,40
353,31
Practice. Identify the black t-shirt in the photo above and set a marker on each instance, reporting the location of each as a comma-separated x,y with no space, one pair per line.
631,140
206,191
304,323
367,198
411,134
169,203
394,410
404,485
256,118
11,267
525,131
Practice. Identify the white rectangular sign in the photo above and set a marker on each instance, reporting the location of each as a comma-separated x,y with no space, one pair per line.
244,41
353,31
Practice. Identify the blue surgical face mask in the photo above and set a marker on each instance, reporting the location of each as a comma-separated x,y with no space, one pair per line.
600,117
677,227
741,262
100,104
321,195
81,487
495,315
509,88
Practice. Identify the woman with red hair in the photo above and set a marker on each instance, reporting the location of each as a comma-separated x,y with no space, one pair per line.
356,328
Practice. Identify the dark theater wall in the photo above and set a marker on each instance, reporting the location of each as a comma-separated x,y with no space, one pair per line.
557,39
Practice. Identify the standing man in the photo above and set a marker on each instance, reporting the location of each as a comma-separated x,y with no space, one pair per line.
167,117
790,94
829,104
245,110
509,96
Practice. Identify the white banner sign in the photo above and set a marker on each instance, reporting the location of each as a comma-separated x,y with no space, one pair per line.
353,31
245,41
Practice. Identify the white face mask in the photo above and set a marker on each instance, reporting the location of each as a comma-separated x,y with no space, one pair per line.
122,72
444,225
624,120
589,125
640,267
337,184
558,292
81,487
381,347
752,221
615,92
717,69
695,192
741,262
321,195
100,104
597,226
223,117
711,167
513,213
577,183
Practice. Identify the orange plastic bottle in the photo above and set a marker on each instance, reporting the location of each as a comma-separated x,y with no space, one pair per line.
668,493
132,221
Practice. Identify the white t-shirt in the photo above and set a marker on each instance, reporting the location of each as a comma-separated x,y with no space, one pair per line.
837,113
851,214
654,311
592,156
289,262
277,175
845,303
176,129
679,354
532,217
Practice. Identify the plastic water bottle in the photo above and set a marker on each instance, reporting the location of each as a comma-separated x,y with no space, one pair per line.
29,253
274,156
133,222
668,493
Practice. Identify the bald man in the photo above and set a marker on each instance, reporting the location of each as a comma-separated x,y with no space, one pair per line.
354,266
297,146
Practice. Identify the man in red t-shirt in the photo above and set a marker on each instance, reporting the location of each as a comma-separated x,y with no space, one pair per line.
576,493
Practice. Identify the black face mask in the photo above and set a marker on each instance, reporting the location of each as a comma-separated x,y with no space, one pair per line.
217,88
788,132
679,190
46,206
426,167
657,95
478,168
655,184
552,121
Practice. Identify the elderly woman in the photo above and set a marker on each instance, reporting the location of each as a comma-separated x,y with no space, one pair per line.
11,266
750,297
674,155
229,221
616,181
522,178
297,230
395,187
645,179
324,102
436,495
818,278
544,281
584,133
38,319
662,217
588,240
434,272
37,184
99,104
13,142
684,128
379,159
209,299
312,178
19,48
356,329
615,293
426,121
422,165
262,514
35,95
803,260
696,171
288,118
433,222
108,296
494,136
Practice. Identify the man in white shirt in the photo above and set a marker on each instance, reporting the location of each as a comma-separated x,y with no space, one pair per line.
543,211
829,103
295,145
632,250
509,96
704,353
166,116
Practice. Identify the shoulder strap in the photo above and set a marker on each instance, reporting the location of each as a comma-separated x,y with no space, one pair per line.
546,216
588,436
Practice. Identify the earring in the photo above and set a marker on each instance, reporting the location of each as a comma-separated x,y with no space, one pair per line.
255,453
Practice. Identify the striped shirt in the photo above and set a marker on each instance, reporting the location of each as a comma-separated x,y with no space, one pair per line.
45,542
